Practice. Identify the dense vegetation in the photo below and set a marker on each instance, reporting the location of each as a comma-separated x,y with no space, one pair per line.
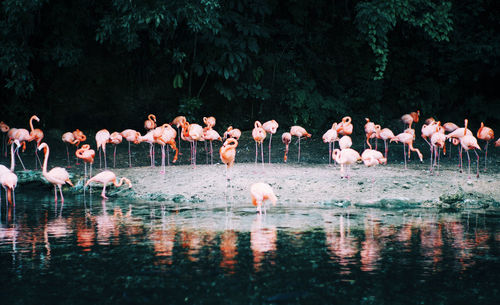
85,63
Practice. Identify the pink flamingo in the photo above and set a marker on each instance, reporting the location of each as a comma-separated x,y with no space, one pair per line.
438,142
369,131
23,136
115,138
232,133
270,127
258,134
227,154
407,139
211,135
373,157
106,177
386,134
131,136
87,155
167,136
149,138
178,122
299,132
411,118
286,138
101,138
57,176
37,135
4,128
345,142
193,133
330,136
345,127
458,134
261,192
345,157
470,142
486,134
150,123
8,179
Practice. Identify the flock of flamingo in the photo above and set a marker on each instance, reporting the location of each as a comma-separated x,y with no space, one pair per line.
433,132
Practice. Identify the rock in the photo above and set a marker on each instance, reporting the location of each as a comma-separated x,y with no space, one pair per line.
453,198
179,198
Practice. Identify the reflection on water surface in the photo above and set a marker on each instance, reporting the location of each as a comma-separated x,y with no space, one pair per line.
136,252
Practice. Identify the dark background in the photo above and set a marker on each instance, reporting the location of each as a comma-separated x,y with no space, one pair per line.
108,64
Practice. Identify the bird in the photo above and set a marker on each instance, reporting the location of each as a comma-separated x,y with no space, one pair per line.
227,154
409,119
438,142
345,157
457,134
115,138
497,143
4,128
23,136
369,131
167,136
345,142
286,138
299,132
258,134
87,155
69,137
131,136
371,157
209,121
58,176
386,134
260,192
8,179
178,122
106,177
345,127
486,134
192,133
427,131
407,139
150,123
79,135
470,142
270,127
211,135
101,138
37,135
330,136
149,138
232,133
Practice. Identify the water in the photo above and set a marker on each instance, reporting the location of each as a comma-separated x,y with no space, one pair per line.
119,252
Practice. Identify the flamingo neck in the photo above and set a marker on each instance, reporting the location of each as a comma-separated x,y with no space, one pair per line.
31,123
45,159
12,159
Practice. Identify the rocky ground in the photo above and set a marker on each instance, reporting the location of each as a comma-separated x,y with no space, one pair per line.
311,182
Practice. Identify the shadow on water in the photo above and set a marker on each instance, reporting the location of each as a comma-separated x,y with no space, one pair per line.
118,251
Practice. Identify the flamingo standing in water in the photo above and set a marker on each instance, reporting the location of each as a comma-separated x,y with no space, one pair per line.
23,136
486,134
345,157
286,137
87,155
8,179
68,137
4,128
258,134
299,132
270,127
106,177
37,135
131,136
232,133
78,134
407,139
57,176
330,136
115,138
101,138
261,192
227,154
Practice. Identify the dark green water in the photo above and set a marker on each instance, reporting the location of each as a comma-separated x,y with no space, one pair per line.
119,252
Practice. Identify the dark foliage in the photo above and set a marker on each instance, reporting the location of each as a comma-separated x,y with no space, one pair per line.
107,64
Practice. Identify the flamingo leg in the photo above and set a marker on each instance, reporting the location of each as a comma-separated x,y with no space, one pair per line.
298,159
211,153
19,157
460,158
329,153
168,155
114,157
129,156
105,162
195,148
477,164
256,154
206,152
37,157
262,152
103,193
67,153
468,158
100,161
163,159
404,151
62,197
55,193
485,154
386,148
432,153
270,139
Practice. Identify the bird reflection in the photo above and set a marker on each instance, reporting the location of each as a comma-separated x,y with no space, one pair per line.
370,248
262,241
340,243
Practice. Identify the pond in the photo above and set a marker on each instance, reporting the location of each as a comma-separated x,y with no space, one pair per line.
90,251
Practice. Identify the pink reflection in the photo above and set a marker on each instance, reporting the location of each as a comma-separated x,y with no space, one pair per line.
341,244
262,241
229,250
163,239
370,248
431,241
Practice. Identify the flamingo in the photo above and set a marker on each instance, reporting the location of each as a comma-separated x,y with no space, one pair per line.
410,118
209,121
286,137
470,142
211,135
106,177
458,134
427,131
450,127
8,179
23,136
497,143
486,134
193,133
369,131
299,132
373,157
438,140
131,136
149,138
270,127
115,138
232,133
57,176
227,154
37,135
150,123
167,136
69,137
345,127
407,139
101,138
87,155
345,157
79,135
386,134
345,142
178,122
4,128
330,136
261,192
258,134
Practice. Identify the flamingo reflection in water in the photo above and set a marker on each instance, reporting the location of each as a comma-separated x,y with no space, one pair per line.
340,243
262,241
